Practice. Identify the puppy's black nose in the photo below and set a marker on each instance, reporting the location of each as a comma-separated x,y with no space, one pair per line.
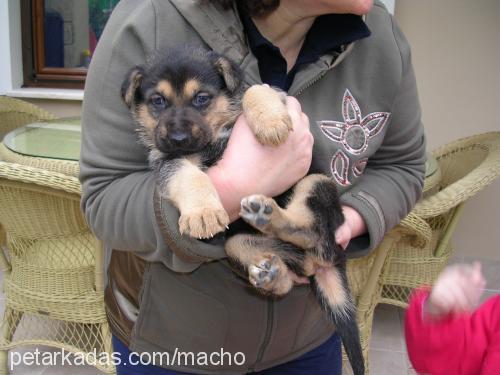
177,136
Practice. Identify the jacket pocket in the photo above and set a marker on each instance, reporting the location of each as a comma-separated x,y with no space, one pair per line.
174,315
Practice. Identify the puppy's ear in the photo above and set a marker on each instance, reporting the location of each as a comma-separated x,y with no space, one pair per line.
230,72
131,84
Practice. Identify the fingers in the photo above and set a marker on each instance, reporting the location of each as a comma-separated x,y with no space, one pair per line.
293,104
343,235
301,139
477,276
295,111
458,289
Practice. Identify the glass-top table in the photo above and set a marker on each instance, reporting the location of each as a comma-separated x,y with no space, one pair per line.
432,176
58,139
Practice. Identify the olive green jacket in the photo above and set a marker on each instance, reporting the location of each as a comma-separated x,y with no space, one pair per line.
365,117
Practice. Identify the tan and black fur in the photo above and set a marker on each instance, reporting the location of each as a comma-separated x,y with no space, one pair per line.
185,102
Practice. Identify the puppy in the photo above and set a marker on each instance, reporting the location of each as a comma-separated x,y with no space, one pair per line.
185,102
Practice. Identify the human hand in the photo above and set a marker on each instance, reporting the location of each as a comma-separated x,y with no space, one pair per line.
457,290
247,167
353,226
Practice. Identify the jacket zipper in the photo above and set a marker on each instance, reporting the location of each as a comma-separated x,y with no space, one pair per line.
337,61
269,330
312,82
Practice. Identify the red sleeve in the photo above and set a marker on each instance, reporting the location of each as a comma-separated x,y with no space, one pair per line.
491,364
445,346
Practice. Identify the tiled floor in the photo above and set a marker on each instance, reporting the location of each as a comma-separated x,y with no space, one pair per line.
387,355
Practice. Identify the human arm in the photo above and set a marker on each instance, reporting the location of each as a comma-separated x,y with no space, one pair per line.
119,191
457,290
248,168
353,226
393,178
117,184
442,336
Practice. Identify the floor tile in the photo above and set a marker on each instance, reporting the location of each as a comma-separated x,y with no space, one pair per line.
64,370
402,313
387,362
411,370
347,370
45,366
387,330
16,365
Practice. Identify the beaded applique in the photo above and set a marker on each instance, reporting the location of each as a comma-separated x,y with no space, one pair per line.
354,134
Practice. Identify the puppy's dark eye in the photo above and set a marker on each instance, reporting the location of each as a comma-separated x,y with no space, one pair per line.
201,99
158,101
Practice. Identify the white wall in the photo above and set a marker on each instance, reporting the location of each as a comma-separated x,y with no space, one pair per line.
456,55
10,44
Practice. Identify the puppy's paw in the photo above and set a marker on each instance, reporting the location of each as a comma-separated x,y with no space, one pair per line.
274,129
270,275
267,114
258,210
204,222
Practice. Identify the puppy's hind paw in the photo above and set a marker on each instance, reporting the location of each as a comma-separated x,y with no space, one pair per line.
257,210
270,275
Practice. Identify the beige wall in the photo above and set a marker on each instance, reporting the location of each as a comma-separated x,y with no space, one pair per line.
456,55
60,108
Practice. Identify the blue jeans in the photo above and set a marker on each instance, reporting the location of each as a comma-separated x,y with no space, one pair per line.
326,359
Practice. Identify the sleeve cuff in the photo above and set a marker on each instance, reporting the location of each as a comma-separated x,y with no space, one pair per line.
373,215
187,249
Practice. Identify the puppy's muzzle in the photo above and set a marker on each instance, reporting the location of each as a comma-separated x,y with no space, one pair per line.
177,137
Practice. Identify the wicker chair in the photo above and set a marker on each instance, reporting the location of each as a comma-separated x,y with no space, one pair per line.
53,275
365,282
466,166
15,113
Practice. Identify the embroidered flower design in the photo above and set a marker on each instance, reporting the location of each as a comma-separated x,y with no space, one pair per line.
354,133
340,168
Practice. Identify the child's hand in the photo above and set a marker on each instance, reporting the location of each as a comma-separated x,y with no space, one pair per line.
457,290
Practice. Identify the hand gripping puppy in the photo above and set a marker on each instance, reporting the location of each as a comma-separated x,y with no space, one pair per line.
185,102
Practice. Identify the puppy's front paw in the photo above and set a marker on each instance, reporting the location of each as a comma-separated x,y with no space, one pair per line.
267,115
257,210
270,275
203,223
274,129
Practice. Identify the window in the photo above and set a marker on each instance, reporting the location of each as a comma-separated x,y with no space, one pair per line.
59,38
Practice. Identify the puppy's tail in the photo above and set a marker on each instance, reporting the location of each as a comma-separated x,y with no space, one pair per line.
332,292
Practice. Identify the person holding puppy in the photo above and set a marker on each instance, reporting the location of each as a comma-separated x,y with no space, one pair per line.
445,332
354,106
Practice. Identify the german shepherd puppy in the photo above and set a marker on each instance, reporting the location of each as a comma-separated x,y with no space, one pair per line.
185,102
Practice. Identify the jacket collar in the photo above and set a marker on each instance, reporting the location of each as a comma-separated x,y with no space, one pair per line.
222,30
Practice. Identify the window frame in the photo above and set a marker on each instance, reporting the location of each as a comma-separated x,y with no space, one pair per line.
35,73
